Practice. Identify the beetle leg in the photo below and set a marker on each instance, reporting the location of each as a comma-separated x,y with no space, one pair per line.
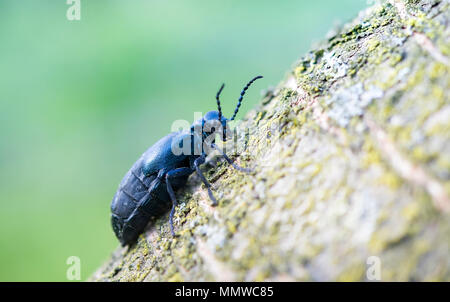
230,161
197,163
173,174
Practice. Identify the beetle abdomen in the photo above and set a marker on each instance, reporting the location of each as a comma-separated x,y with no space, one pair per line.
138,199
131,190
143,195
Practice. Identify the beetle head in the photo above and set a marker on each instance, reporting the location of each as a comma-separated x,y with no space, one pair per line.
213,122
210,124
214,119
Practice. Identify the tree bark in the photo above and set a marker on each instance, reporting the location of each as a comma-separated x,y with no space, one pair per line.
352,169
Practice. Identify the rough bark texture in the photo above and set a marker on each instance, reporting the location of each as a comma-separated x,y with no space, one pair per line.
352,157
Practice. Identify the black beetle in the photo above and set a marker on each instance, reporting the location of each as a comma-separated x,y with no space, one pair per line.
147,190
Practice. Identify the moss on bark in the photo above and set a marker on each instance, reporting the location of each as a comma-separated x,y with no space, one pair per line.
352,160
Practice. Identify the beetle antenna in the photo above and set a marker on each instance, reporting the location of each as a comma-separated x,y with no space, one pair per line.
242,95
218,101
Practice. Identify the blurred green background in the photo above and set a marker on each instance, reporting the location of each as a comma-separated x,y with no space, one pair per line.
80,101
